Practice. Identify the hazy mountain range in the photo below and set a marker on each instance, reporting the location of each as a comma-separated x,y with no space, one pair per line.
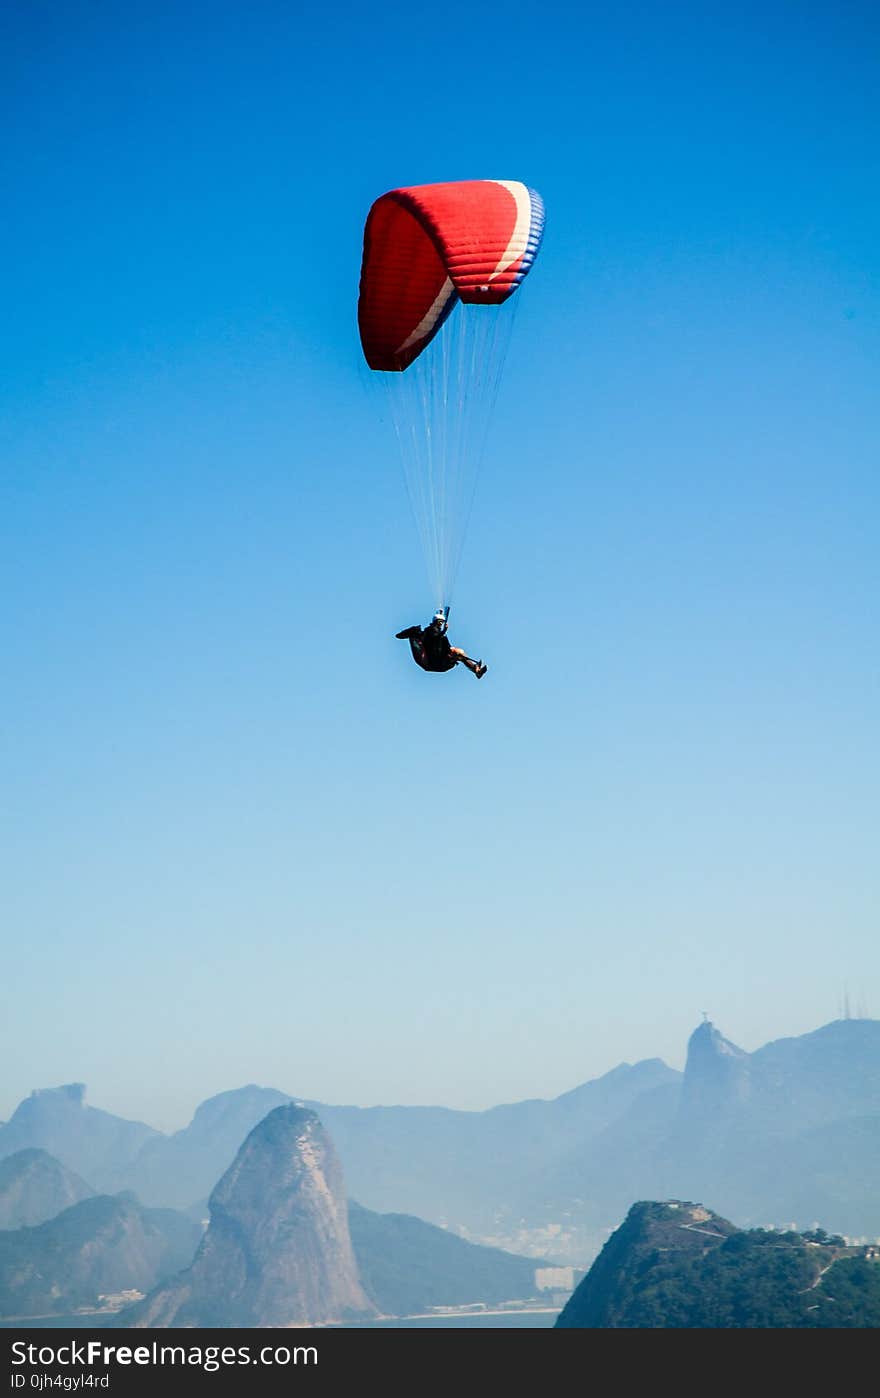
97,1145
282,1242
283,1248
787,1134
100,1246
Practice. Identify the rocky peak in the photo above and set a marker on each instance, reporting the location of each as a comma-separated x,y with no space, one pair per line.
277,1249
70,1094
716,1074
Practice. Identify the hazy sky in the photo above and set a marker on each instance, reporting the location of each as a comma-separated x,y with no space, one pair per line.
244,839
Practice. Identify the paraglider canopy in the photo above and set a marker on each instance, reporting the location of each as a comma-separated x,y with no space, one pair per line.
428,246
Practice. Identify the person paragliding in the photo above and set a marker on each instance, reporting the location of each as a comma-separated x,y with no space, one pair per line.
431,648
440,262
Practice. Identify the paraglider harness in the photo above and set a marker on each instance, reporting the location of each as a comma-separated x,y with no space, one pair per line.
430,646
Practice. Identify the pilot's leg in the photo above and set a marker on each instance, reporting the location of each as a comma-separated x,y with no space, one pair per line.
476,667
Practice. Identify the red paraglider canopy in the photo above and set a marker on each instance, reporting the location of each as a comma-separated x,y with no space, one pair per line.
431,245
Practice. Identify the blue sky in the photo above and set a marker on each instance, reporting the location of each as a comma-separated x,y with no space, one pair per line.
243,837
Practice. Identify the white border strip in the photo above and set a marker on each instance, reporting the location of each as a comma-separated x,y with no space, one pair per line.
520,236
429,320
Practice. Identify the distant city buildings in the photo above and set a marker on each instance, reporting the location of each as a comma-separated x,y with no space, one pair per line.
115,1300
554,1278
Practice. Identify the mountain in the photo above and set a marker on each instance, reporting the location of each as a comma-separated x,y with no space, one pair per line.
464,1170
103,1245
277,1250
785,1134
678,1265
717,1077
92,1143
181,1169
407,1266
34,1186
757,1132
788,1086
830,1172
470,1171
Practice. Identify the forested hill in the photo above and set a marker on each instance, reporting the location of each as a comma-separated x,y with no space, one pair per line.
678,1265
